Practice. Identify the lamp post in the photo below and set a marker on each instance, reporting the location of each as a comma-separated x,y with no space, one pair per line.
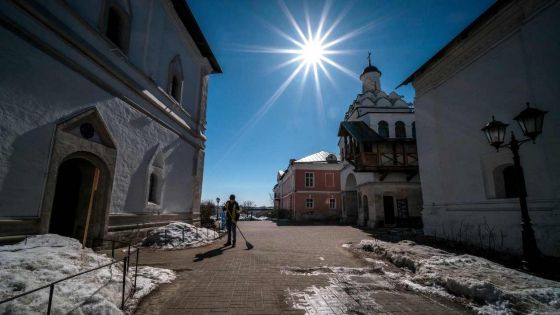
217,208
530,121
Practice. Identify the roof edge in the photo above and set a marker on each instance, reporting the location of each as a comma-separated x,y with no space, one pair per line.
187,18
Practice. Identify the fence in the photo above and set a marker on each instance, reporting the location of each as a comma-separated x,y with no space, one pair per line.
126,264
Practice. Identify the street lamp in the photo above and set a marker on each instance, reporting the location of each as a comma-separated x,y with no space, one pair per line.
217,207
530,121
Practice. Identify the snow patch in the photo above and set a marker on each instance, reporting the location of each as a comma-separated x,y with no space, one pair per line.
491,288
43,259
179,235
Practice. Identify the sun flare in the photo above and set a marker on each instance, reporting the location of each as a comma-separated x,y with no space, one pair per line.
312,52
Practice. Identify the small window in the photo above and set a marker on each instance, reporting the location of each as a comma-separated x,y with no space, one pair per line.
332,203
309,180
175,79
414,129
510,184
400,130
309,203
116,28
153,194
176,88
383,129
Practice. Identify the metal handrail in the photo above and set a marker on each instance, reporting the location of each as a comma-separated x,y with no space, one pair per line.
125,260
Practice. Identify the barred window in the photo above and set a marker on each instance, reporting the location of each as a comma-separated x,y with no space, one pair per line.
309,180
309,203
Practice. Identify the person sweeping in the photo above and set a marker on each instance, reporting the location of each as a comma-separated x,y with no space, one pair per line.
232,210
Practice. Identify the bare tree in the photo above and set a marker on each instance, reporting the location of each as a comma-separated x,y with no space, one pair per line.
248,204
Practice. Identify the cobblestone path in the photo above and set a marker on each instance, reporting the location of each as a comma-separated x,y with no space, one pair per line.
291,270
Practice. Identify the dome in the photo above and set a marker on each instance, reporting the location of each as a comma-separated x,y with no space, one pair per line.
371,68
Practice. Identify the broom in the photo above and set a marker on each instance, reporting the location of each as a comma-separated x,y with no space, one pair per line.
249,245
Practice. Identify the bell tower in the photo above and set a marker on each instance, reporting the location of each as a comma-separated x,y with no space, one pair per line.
371,77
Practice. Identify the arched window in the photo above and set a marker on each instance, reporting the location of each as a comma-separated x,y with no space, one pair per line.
400,130
152,194
117,27
510,185
383,129
175,86
414,129
505,182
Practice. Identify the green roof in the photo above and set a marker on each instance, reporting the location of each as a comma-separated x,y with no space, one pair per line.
359,131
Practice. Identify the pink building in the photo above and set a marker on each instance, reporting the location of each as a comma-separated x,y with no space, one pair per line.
309,189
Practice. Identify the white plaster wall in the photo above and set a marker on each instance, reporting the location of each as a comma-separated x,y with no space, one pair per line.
455,157
36,90
391,119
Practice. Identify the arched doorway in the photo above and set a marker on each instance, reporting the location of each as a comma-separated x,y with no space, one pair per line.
350,203
365,207
73,192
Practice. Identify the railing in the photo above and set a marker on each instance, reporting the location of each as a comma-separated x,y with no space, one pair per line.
126,264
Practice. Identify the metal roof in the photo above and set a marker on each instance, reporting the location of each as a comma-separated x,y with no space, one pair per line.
320,156
359,131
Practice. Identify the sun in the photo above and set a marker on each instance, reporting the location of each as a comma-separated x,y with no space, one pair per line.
312,52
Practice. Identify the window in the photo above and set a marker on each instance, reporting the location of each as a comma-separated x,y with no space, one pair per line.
505,185
510,185
332,203
414,129
309,180
309,203
117,27
400,130
153,184
175,84
383,129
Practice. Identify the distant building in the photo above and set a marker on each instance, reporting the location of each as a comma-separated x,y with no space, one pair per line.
103,96
379,176
508,56
309,189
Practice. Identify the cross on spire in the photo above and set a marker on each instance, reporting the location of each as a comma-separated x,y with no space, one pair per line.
369,58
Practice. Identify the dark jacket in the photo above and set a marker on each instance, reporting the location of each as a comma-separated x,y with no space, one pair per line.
232,208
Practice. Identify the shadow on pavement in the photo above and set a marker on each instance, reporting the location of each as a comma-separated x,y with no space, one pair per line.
209,254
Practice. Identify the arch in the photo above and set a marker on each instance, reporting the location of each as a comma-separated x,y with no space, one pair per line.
400,130
117,26
175,79
75,180
350,182
383,129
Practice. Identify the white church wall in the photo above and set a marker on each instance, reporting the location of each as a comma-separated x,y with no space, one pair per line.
37,90
455,158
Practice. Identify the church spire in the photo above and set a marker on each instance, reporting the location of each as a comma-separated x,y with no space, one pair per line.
370,77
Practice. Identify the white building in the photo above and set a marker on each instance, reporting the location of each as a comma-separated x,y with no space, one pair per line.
379,178
109,92
505,58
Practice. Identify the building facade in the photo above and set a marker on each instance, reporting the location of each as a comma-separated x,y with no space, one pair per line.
103,107
309,189
379,176
505,58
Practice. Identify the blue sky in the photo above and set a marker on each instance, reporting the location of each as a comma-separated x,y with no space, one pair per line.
252,134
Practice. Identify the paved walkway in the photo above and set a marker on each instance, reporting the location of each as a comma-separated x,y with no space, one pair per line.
279,272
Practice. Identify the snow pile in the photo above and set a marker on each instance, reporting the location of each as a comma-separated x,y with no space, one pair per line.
494,288
46,258
251,217
179,235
